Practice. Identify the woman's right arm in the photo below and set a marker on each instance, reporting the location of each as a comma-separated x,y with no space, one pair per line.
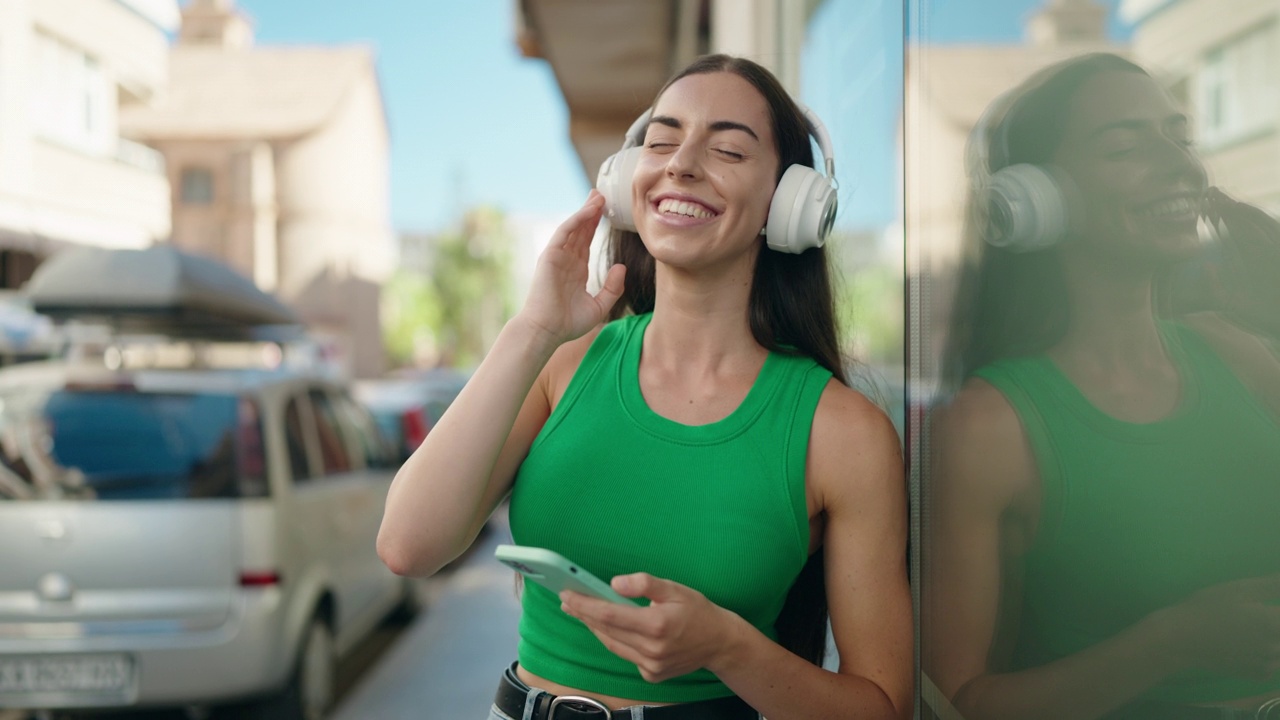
444,493
983,475
981,472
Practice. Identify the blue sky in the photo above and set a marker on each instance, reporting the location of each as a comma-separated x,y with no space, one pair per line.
472,122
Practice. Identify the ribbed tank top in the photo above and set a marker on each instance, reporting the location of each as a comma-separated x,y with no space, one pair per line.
1138,516
617,488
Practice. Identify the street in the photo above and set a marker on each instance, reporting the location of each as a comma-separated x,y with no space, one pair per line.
447,664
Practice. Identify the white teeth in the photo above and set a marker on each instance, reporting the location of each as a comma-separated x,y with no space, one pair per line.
1166,208
671,206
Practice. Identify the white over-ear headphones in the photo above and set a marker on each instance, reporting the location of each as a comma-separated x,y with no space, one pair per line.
801,213
1026,205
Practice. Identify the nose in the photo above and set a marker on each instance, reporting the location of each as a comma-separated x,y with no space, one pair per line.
685,163
1179,160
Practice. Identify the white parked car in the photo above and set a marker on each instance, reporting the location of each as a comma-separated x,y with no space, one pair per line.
186,537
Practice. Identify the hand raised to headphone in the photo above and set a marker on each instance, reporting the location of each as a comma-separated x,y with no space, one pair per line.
558,301
1250,262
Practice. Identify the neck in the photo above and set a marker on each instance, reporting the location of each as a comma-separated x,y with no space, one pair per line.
1113,319
700,320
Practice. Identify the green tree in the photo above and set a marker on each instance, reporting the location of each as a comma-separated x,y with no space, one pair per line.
457,308
410,315
869,306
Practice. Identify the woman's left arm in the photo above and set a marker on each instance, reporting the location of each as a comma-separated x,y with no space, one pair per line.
855,469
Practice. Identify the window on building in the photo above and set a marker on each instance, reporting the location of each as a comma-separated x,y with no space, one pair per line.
197,186
1236,87
70,102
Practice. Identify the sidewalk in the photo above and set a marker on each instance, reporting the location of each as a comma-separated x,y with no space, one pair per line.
447,665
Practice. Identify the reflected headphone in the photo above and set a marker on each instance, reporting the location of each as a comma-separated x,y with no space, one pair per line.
1026,205
802,210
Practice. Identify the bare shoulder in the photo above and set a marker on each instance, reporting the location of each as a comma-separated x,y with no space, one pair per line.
853,446
564,363
979,445
979,411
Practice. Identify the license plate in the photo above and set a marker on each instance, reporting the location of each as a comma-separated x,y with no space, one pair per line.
66,674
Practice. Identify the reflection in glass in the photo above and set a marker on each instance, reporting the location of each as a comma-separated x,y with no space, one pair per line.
1100,529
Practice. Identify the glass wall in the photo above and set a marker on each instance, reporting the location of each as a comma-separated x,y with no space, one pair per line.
1094,356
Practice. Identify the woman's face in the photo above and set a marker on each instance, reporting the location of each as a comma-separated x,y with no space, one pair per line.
707,172
1140,182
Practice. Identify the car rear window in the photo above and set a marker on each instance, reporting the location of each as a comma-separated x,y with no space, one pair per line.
124,445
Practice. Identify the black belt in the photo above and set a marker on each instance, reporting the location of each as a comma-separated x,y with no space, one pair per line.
512,692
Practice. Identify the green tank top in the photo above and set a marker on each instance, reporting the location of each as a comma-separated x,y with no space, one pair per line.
617,488
1137,517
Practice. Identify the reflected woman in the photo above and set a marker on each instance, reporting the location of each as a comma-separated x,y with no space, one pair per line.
1102,537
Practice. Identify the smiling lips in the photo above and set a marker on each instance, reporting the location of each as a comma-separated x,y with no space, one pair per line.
676,208
1170,208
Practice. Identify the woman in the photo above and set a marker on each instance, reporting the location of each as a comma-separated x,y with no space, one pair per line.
1102,539
701,449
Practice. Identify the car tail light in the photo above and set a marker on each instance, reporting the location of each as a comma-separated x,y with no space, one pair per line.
415,426
259,578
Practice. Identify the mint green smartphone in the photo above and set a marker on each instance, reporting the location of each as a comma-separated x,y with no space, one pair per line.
554,572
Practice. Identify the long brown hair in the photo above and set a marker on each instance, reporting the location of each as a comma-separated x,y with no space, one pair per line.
1011,304
791,310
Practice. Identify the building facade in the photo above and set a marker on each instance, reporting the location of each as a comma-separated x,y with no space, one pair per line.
68,70
278,159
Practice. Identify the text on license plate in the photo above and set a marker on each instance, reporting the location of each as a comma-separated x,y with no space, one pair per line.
74,673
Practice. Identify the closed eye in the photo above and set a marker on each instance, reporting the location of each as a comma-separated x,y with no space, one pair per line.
731,154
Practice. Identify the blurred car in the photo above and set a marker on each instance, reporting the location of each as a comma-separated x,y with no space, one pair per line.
407,406
186,537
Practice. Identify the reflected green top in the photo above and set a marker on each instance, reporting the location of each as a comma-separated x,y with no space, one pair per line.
1137,517
617,488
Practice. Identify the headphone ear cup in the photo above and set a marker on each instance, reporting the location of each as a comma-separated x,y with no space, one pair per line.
1026,208
802,211
614,182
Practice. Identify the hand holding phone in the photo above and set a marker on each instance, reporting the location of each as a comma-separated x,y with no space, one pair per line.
556,573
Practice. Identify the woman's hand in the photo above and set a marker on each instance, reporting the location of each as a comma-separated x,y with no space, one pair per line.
1250,263
679,632
558,303
1231,628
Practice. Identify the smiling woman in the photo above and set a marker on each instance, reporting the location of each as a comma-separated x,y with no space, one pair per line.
687,432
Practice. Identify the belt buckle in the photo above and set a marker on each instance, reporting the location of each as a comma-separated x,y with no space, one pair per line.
1269,710
559,700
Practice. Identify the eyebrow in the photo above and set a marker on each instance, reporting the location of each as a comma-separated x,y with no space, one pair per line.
1137,124
717,126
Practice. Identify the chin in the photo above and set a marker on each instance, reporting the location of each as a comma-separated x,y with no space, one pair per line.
1169,248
